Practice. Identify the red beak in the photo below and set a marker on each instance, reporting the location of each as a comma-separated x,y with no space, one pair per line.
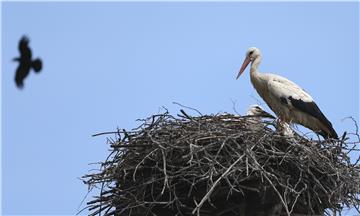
243,67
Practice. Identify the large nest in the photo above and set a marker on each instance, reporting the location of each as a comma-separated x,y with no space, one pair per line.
222,165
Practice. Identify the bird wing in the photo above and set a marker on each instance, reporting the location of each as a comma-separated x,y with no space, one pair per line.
292,95
24,49
283,87
21,72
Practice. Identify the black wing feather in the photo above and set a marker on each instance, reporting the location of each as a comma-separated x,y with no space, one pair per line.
21,73
312,109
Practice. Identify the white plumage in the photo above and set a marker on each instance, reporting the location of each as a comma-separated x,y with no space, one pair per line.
290,102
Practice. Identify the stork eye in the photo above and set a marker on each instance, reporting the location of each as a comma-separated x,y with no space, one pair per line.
250,53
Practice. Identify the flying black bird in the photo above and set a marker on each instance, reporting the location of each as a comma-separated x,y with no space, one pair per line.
25,62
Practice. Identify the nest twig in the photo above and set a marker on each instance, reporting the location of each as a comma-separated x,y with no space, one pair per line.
222,165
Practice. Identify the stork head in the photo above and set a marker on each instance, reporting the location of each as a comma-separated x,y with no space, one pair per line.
251,54
256,110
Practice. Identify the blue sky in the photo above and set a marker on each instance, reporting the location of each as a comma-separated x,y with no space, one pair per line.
108,64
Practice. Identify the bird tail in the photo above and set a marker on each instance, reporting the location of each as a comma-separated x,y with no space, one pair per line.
333,134
36,65
329,134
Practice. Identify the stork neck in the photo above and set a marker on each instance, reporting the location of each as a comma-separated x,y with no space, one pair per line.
255,64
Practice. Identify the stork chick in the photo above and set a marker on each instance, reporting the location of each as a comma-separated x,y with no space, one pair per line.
257,111
256,114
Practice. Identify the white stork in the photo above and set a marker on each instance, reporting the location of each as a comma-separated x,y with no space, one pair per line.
290,102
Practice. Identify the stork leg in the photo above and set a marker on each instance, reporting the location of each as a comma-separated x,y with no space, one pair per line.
284,128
